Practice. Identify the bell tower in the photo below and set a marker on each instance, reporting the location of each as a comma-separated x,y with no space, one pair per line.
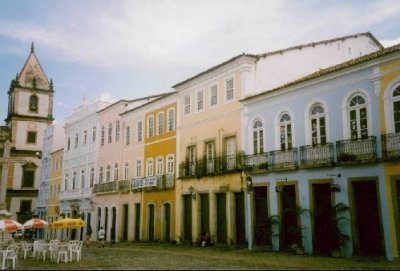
30,112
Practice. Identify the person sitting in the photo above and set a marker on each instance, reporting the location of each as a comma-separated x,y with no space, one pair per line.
205,239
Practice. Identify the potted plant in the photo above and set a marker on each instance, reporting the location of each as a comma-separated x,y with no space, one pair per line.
340,237
297,230
273,228
263,166
345,157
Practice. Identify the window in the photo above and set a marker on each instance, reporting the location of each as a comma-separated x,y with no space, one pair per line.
318,127
200,100
150,126
109,133
83,178
213,95
230,152
229,90
102,135
139,131
28,175
31,138
25,206
149,168
108,173
170,164
91,177
68,144
128,135
74,181
116,172
396,109
33,103
76,141
191,159
258,137
117,130
139,168
159,166
171,119
160,120
66,182
84,137
210,156
94,134
285,131
187,104
101,174
126,171
358,118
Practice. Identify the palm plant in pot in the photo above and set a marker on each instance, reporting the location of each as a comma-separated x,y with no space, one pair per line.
296,230
339,219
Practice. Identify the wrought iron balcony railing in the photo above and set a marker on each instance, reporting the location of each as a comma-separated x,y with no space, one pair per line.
211,166
283,160
75,194
256,162
108,187
357,151
154,182
124,186
316,156
390,146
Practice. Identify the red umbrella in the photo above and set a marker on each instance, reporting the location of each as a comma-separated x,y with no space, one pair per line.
35,223
9,225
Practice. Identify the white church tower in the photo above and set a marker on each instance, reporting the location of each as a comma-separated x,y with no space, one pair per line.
30,112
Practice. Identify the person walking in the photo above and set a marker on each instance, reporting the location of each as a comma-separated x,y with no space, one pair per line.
100,236
88,235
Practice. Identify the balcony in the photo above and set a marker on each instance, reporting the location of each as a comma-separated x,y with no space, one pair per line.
75,194
124,186
391,147
109,187
257,162
154,182
283,160
359,151
209,167
316,156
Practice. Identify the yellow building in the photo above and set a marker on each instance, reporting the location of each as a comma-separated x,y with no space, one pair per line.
210,197
389,96
53,204
158,185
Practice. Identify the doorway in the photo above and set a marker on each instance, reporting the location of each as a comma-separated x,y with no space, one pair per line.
125,210
240,219
261,227
187,218
137,221
324,228
167,222
151,222
367,218
290,224
205,213
221,218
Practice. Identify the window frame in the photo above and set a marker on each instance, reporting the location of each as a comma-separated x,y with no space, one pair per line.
171,121
200,100
228,90
211,95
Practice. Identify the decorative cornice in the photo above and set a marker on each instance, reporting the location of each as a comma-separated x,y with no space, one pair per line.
28,118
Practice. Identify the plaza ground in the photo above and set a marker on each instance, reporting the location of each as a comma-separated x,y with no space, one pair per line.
128,255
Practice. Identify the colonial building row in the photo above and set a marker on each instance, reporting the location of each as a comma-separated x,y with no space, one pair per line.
296,148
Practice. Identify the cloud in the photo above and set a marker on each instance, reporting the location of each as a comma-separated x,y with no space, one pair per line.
107,97
388,43
190,33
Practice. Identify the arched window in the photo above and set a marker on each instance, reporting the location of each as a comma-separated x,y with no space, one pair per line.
33,103
170,164
285,131
258,137
110,133
102,134
149,167
396,109
358,117
318,125
117,130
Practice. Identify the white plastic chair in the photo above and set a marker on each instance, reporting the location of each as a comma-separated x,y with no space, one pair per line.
41,249
25,249
12,255
62,253
53,248
76,250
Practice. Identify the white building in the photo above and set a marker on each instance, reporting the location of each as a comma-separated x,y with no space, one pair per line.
82,137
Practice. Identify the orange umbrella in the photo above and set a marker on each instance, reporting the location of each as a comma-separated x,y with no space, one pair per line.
35,223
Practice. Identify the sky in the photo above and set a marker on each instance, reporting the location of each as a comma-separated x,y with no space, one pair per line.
127,49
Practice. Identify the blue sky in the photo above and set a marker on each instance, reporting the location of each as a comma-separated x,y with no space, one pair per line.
126,49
